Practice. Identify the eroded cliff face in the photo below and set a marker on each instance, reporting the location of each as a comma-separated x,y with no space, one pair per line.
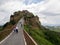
28,16
30,19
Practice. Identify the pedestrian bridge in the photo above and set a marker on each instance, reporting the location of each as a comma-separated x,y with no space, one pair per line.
20,38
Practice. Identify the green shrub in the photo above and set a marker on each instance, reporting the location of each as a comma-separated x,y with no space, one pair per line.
12,22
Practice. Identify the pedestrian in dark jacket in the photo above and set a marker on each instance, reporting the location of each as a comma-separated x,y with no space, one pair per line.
16,29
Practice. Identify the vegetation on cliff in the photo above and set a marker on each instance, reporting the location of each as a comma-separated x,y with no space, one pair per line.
41,35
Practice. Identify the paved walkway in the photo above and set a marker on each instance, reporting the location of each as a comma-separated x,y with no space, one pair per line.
16,38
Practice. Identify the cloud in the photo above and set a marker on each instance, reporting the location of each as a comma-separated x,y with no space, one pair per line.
4,18
52,12
7,8
47,10
32,1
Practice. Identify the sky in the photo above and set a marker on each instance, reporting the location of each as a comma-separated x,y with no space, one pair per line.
47,10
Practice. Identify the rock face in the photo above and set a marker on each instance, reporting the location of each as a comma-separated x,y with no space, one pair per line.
31,19
28,16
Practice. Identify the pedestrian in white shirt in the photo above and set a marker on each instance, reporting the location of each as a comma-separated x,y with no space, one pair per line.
16,29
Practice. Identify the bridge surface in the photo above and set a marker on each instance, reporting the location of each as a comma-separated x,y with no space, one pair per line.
16,38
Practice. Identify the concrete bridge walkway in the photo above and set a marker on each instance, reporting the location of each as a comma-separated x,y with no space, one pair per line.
16,38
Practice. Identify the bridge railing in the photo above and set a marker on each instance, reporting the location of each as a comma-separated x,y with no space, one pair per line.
29,39
5,33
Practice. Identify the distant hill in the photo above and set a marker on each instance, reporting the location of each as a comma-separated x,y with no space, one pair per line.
54,28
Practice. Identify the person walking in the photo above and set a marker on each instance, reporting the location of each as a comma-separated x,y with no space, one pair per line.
16,29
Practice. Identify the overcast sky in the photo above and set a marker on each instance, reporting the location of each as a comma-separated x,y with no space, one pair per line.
47,10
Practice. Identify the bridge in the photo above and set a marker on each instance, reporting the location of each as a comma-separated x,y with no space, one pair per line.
20,38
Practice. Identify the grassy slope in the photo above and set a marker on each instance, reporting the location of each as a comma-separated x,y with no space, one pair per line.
38,35
52,36
43,36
